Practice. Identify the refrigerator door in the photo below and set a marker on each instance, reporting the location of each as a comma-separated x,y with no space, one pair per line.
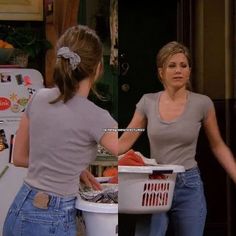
16,87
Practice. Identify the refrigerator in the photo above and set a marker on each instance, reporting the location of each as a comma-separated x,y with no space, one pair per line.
17,85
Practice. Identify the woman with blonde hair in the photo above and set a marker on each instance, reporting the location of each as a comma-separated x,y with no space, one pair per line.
173,118
57,140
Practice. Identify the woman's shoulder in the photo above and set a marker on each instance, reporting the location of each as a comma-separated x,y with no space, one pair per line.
93,112
46,93
201,100
90,106
151,96
199,97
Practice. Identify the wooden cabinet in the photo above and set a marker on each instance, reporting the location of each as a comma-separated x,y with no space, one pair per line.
30,10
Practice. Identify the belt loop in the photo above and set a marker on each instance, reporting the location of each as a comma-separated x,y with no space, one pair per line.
57,203
180,178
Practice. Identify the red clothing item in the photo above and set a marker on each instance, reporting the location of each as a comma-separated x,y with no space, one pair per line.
130,158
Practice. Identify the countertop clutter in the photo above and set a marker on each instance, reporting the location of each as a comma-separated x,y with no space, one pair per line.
20,46
104,164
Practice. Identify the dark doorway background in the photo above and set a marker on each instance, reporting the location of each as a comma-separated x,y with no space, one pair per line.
144,27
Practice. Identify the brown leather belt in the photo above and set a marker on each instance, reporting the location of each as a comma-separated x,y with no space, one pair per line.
41,200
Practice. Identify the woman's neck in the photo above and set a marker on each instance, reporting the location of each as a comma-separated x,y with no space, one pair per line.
176,94
84,87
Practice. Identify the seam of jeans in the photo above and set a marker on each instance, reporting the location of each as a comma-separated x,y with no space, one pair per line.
25,194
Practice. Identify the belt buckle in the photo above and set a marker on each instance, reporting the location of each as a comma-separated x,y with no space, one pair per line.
41,200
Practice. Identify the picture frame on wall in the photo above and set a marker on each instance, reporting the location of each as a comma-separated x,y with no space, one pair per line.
25,10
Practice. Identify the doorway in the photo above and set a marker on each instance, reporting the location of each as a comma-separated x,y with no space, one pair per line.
144,27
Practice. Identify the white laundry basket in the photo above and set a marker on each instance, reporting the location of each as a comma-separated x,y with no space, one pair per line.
100,218
146,189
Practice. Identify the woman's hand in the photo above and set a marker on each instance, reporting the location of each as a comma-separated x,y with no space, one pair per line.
89,180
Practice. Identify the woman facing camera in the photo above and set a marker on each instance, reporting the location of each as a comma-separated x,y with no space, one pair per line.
173,118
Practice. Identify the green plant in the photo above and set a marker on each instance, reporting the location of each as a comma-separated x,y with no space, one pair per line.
28,39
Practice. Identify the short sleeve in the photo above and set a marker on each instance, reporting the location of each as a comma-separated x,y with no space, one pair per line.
140,106
103,122
29,104
208,105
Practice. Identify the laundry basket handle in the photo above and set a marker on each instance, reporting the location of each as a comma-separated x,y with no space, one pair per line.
145,170
162,172
160,169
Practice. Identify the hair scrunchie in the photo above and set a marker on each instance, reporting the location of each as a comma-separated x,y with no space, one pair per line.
74,58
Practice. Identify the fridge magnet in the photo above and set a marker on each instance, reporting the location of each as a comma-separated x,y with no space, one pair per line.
13,97
5,103
15,108
3,171
31,91
19,79
3,140
5,78
2,146
27,80
23,101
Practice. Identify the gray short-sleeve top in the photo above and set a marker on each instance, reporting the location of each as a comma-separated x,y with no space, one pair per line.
174,142
63,140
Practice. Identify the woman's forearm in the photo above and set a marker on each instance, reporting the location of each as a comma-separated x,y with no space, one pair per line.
226,159
21,162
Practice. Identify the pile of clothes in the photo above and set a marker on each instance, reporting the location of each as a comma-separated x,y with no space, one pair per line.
133,158
108,194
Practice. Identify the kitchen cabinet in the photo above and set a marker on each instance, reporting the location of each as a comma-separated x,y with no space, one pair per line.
21,10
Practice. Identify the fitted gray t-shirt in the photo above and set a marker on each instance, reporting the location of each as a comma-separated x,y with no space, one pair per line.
174,142
63,140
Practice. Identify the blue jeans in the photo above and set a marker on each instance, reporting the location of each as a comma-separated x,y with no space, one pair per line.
188,211
24,219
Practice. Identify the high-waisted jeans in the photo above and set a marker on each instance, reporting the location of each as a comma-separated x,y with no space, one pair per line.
188,211
24,219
